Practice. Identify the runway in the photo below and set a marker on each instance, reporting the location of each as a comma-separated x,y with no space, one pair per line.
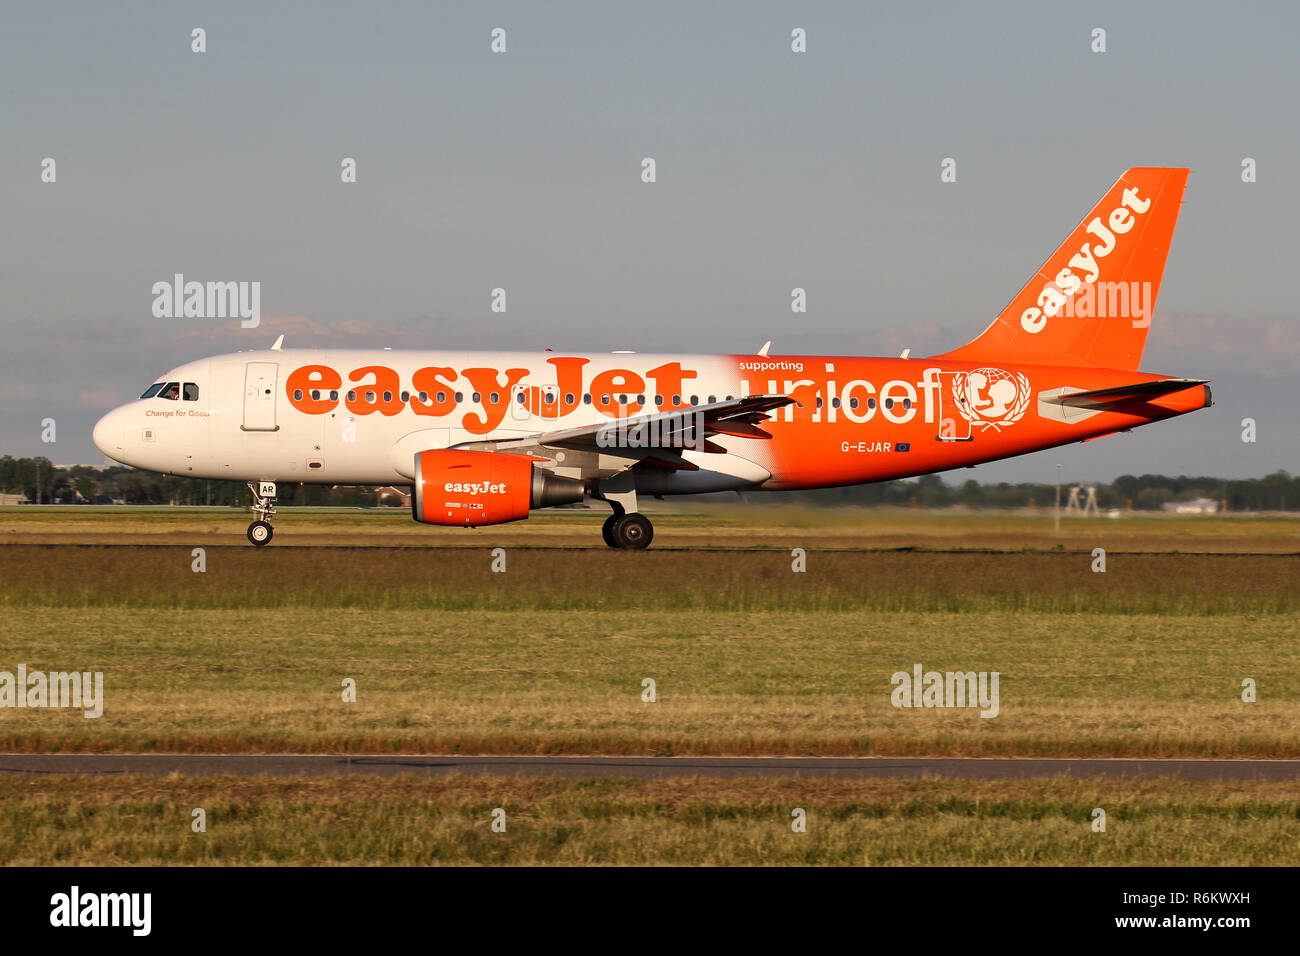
844,768
238,543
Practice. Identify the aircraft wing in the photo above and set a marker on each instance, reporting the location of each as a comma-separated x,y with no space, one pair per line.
658,438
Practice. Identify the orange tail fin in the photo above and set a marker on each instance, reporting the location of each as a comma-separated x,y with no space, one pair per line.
1091,302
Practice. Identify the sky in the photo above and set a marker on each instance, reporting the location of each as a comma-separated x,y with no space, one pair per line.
522,170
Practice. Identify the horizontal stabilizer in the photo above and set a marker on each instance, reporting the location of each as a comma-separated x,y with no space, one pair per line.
1141,391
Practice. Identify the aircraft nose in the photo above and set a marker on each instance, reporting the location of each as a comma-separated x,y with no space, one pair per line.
110,434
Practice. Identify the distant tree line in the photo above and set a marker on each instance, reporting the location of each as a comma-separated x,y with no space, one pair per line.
39,480
1276,492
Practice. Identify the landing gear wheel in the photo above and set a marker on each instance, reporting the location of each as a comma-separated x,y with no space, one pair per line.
633,532
607,530
259,532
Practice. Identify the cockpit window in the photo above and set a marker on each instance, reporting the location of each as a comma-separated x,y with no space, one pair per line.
153,390
171,391
190,392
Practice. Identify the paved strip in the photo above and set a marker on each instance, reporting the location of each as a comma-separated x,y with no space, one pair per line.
238,542
845,768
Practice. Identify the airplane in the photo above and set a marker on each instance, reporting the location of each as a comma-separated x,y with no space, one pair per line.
487,437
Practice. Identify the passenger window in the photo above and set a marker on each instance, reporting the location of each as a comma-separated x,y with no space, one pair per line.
659,399
370,395
622,399
424,397
853,403
315,394
442,397
297,395
153,390
640,399
568,398
460,396
695,399
835,403
172,391
819,401
907,403
677,399
388,396
334,396
476,396
889,403
871,403
586,399
406,396
191,392
712,399
352,395
521,397
496,397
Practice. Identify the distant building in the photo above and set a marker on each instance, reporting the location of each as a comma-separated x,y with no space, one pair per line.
1197,506
403,495
12,499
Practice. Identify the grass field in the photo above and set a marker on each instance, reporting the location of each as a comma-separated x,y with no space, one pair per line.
748,657
409,821
761,523
571,682
665,581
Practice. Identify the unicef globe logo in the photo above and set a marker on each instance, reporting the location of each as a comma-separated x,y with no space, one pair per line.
991,397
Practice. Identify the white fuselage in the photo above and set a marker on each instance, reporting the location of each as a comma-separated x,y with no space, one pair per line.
244,421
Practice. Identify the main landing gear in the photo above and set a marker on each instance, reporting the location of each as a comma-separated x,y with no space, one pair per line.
625,529
260,531
626,532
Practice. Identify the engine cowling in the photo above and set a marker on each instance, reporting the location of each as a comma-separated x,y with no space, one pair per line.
470,488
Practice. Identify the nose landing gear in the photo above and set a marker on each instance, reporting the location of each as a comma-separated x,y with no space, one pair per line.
260,531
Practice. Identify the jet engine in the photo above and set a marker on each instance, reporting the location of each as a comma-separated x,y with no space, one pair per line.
469,488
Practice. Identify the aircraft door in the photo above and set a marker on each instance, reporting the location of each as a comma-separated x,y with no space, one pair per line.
535,400
519,404
260,396
548,401
954,417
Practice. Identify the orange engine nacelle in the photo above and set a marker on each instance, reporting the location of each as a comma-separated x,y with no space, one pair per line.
484,487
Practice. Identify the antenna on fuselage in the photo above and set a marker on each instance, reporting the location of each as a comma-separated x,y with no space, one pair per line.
278,342
766,345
